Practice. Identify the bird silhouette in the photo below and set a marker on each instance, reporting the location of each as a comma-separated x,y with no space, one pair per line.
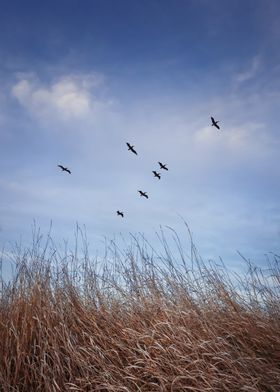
131,148
120,213
143,194
215,123
156,174
162,166
64,169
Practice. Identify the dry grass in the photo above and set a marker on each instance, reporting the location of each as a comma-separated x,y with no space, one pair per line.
137,321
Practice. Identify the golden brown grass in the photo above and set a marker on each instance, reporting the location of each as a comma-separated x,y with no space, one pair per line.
137,321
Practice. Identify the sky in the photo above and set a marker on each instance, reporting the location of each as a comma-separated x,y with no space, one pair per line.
79,79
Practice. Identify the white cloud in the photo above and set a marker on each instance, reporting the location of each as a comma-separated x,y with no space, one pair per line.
250,72
68,98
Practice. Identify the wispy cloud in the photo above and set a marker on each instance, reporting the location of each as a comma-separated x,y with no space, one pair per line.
250,140
250,71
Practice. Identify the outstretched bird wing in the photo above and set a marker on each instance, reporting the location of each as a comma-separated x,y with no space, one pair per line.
134,151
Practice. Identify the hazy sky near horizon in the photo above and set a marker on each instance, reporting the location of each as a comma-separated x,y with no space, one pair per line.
79,79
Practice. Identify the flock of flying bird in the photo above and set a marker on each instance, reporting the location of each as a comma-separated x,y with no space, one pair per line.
156,174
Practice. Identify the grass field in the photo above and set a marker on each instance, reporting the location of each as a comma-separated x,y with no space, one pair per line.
137,321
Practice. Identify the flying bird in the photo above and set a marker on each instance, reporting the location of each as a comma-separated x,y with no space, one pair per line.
131,148
215,123
162,166
64,169
120,213
156,174
143,194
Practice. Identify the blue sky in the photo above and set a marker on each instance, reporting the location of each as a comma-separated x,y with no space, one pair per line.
81,78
